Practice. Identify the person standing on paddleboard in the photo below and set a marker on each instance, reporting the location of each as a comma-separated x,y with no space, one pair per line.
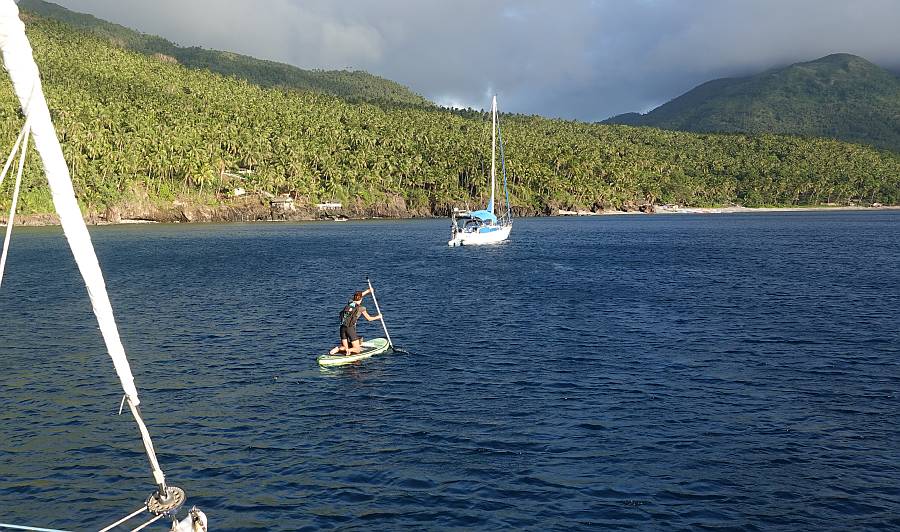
350,341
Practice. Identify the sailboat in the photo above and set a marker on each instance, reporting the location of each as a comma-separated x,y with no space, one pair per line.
472,228
166,499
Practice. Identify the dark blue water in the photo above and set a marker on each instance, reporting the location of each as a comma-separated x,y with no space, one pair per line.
658,372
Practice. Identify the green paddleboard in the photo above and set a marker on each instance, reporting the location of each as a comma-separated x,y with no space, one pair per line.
370,348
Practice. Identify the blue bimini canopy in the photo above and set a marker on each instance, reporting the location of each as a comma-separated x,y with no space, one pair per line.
484,216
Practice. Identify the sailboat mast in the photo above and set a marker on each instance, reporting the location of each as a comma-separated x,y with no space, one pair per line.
493,151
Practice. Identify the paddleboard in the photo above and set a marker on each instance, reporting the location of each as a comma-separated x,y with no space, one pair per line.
370,348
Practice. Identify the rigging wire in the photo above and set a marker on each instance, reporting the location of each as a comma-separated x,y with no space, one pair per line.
24,74
31,528
23,140
503,167
12,153
148,523
126,518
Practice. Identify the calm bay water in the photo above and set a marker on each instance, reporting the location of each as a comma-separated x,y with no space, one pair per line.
654,372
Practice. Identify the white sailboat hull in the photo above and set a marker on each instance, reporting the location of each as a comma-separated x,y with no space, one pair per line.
477,239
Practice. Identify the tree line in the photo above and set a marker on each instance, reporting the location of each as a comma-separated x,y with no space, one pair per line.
126,120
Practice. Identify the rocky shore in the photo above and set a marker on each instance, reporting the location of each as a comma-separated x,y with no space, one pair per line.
248,208
265,208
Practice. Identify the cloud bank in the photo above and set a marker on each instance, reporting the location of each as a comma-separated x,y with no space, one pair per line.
578,59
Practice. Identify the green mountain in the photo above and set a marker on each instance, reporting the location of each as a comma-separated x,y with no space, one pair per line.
350,85
153,139
840,96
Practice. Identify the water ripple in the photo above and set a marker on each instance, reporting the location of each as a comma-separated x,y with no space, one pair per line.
736,373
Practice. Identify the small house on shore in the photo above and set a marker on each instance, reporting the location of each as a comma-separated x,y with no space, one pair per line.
282,204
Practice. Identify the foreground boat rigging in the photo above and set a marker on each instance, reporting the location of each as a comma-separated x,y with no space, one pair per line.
471,228
165,501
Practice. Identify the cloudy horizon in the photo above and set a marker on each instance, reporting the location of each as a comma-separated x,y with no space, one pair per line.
592,60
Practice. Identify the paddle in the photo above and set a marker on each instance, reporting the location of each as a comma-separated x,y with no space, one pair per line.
377,309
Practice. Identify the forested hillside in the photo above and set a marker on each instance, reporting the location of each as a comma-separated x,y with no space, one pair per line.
350,85
133,125
840,96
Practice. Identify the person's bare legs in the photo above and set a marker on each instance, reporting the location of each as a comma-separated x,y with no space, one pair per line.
343,347
356,347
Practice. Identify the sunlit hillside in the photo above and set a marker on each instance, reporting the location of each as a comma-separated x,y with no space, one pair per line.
131,122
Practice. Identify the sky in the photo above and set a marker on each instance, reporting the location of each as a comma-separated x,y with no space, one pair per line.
573,59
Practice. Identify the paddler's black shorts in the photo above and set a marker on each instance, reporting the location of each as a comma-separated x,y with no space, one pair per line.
349,333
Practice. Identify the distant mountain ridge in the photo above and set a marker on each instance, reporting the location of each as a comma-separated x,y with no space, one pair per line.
354,86
840,96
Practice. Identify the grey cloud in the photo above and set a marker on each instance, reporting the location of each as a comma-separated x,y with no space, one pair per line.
583,59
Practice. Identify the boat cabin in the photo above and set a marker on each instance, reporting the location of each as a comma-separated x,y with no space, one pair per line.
474,222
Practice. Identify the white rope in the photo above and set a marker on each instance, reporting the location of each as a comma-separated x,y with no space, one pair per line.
32,528
148,523
13,152
120,521
23,72
19,62
148,446
15,199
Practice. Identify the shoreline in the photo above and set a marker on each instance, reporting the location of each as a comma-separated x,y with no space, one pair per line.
739,209
49,220
736,209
